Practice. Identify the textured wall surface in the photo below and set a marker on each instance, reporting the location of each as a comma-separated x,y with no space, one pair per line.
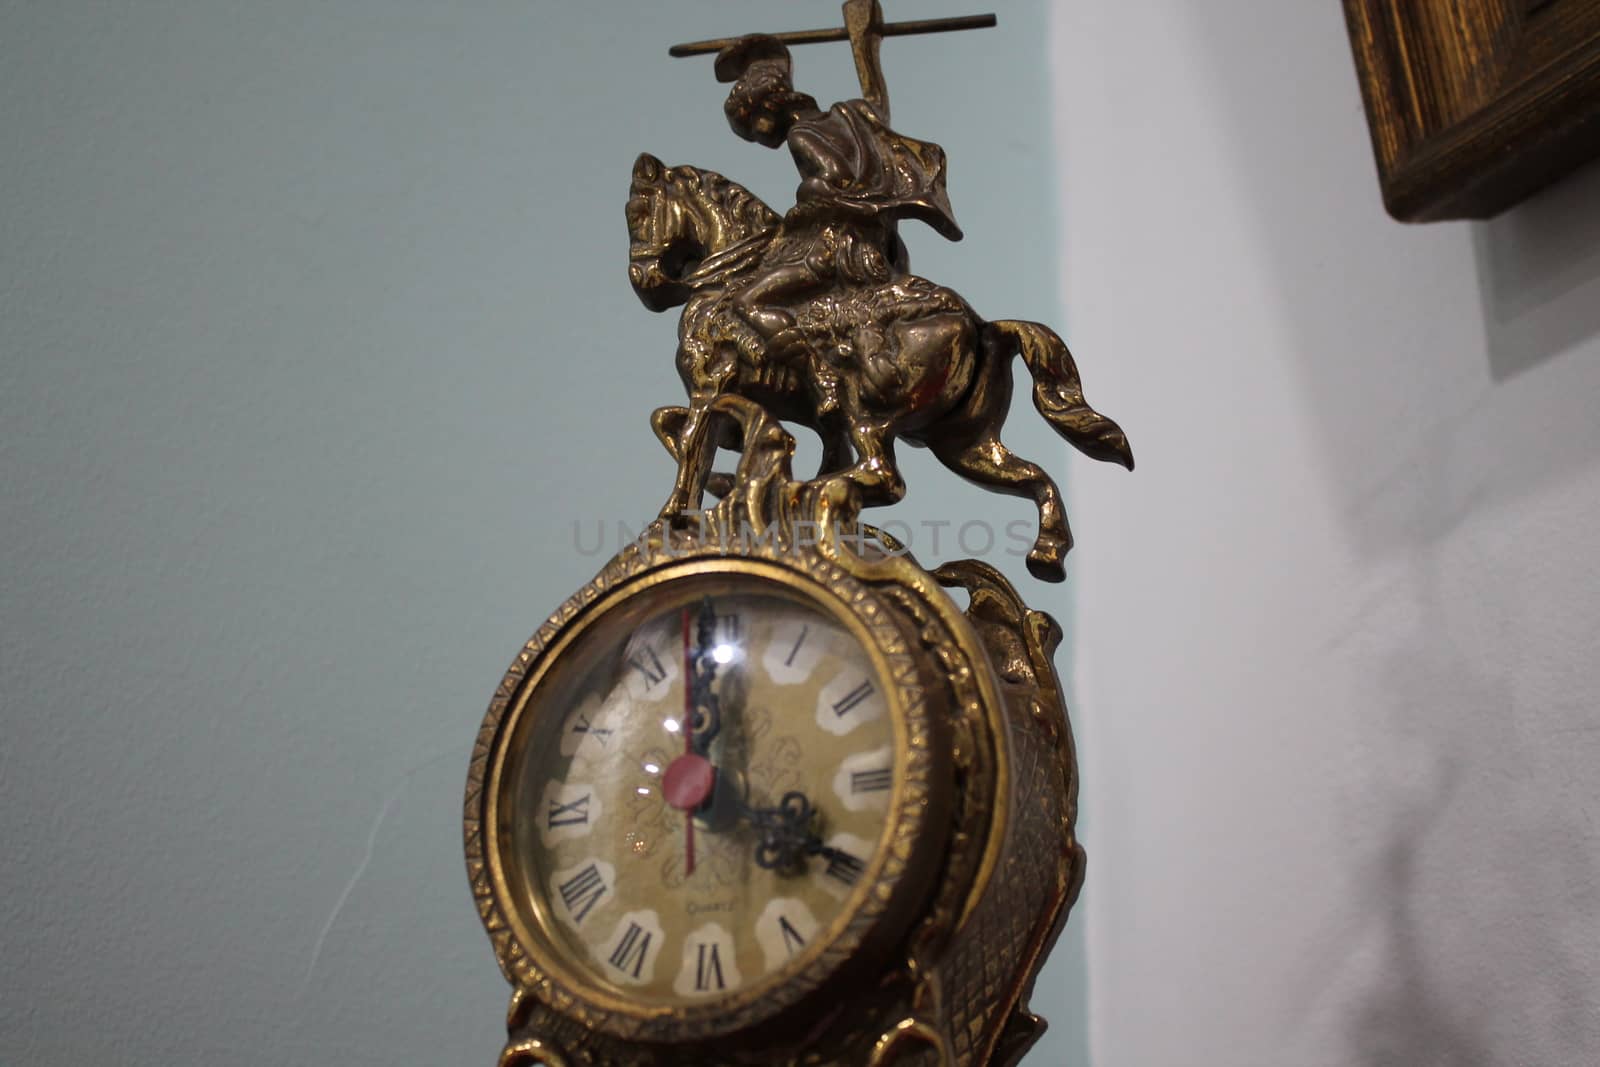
1337,636
315,338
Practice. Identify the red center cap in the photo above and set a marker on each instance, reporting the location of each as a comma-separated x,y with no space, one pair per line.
688,781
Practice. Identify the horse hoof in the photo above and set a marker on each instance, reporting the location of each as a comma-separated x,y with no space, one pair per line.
668,426
719,484
1044,561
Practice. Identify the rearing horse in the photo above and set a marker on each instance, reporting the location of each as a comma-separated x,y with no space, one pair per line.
863,365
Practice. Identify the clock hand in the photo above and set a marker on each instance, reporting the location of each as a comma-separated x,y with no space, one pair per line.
789,829
686,727
691,778
788,833
707,719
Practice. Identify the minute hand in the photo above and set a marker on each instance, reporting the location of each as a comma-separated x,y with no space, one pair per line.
706,721
788,834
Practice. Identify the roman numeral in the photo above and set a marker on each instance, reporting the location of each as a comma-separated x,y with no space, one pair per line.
648,664
729,629
630,952
792,941
844,866
795,651
874,781
582,891
585,726
846,704
573,814
708,968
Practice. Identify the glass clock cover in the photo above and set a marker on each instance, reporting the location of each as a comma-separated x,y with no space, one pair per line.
704,789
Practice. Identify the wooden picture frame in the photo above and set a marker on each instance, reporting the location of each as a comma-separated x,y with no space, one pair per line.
1475,105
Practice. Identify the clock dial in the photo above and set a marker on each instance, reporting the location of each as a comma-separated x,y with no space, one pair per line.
705,792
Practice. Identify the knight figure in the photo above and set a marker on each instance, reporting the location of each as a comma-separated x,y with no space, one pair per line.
815,316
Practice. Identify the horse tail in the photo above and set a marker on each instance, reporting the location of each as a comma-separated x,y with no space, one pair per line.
1058,394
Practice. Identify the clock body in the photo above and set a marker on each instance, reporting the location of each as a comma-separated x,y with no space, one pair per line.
765,791
666,886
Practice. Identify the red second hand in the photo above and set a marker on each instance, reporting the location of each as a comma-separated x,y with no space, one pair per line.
690,778
685,728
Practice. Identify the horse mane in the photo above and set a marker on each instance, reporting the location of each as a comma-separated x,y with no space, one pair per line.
748,213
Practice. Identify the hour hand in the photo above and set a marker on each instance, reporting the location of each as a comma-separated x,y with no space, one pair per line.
691,780
704,719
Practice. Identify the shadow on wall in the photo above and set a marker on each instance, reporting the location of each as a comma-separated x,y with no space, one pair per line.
1468,868
1405,1018
1539,274
1443,415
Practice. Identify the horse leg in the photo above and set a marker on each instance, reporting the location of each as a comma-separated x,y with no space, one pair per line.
668,426
694,458
985,460
836,453
875,470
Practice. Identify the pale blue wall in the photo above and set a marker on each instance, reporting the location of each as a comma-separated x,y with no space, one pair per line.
314,337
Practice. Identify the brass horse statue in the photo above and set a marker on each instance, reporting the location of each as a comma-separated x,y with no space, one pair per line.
863,366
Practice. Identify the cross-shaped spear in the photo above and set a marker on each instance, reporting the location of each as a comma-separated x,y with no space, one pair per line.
865,29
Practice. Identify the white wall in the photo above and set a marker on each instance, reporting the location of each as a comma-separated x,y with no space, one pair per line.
315,336
1337,635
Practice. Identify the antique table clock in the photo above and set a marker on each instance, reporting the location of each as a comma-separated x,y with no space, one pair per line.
762,792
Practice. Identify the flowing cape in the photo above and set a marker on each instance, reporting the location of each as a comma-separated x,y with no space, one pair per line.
850,159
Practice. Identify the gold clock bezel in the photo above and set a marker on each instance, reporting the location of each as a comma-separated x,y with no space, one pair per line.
876,916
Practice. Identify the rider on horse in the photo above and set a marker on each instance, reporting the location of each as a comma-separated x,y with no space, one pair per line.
815,317
858,179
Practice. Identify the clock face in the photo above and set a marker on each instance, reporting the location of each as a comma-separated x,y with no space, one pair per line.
703,797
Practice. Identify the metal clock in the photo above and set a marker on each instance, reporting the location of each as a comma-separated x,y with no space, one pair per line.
765,790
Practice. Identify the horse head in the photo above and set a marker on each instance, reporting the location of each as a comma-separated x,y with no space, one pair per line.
679,217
